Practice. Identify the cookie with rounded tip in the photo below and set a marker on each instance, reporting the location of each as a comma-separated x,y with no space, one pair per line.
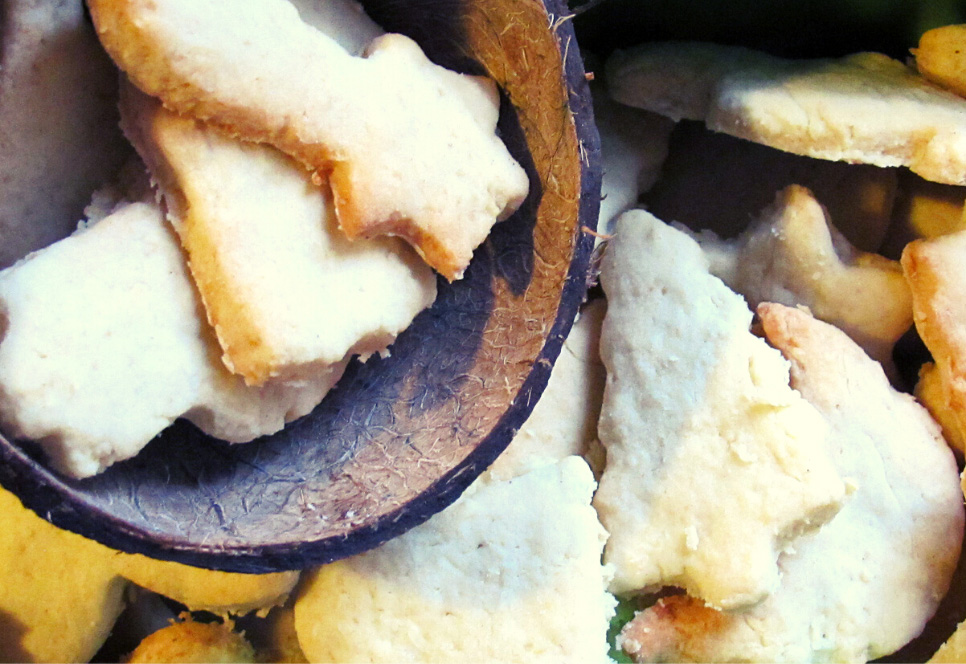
107,321
869,580
863,108
286,293
410,148
793,254
704,436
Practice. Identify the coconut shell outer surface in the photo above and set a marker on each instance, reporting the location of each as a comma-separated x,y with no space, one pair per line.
401,437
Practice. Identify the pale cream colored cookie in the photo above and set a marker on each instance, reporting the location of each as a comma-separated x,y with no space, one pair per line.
869,580
107,321
409,147
793,254
704,437
865,108
286,293
511,572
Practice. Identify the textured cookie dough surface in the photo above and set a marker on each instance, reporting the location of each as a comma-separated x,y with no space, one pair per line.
287,293
409,147
868,581
511,572
793,254
865,108
107,321
704,437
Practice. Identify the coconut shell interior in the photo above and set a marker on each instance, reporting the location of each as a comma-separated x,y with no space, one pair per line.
400,437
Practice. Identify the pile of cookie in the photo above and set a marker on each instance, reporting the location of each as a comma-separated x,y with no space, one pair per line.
764,459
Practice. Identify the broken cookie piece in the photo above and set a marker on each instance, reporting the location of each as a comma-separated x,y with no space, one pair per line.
107,321
287,294
794,255
704,437
409,147
869,580
511,572
864,108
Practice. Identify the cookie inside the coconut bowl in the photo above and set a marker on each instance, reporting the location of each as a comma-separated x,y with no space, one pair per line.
306,276
795,169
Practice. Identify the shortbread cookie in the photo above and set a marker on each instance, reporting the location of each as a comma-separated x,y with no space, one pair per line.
286,292
794,255
941,57
705,440
511,572
931,393
867,582
718,182
934,269
564,421
58,122
107,321
409,147
864,108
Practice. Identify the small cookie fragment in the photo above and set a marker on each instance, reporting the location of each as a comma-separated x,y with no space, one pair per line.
704,437
191,642
934,270
863,108
409,147
794,255
941,57
107,321
869,580
511,572
713,181
287,294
